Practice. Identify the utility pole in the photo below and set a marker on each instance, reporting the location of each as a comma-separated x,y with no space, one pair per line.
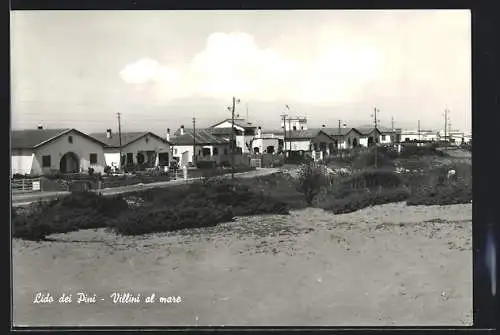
375,121
283,116
394,137
419,132
233,142
289,128
290,132
120,138
194,141
445,128
247,110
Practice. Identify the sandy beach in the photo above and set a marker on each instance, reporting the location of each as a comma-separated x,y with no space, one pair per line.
389,265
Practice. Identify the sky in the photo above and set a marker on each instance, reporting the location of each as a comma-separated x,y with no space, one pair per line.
159,69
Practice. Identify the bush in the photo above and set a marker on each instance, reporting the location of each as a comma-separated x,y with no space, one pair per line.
359,200
366,160
190,214
312,179
107,170
206,164
449,194
74,212
414,151
195,206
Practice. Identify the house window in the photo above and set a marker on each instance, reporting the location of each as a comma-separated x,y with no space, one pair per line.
225,151
163,158
206,152
46,161
93,158
175,151
294,128
70,139
130,158
216,151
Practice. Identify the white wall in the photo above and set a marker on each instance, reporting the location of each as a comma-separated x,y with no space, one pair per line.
363,141
81,146
112,158
385,139
298,145
299,125
152,144
228,124
263,143
21,161
185,152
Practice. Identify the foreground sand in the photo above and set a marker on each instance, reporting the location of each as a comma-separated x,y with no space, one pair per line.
386,265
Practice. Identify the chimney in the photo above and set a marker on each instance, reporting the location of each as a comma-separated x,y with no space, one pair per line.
182,130
168,134
108,133
259,131
40,127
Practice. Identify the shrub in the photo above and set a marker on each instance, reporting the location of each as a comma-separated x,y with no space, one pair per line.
107,170
448,194
189,214
311,181
74,212
196,206
366,160
359,200
205,164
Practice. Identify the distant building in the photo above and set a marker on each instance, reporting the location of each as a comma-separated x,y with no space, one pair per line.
294,124
424,135
267,142
244,132
48,151
207,146
142,147
454,137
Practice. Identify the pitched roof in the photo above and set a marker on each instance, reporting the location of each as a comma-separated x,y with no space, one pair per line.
34,138
238,122
335,131
202,136
366,130
303,134
127,138
220,131
381,129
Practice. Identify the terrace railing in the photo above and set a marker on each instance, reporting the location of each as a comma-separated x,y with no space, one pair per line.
26,185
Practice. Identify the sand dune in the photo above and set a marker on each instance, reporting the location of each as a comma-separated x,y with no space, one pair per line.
385,265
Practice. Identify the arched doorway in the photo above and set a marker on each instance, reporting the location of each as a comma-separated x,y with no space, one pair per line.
70,163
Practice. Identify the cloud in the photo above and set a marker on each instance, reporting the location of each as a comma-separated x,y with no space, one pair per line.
339,65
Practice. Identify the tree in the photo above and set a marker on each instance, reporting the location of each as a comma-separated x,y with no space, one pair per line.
311,180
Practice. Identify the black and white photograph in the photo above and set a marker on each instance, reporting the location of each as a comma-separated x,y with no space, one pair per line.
241,168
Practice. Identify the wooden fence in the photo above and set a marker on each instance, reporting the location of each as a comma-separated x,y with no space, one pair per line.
26,185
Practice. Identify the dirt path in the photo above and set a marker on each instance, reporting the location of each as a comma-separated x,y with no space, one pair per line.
386,265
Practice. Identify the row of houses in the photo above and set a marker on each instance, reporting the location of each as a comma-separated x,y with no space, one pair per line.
43,151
